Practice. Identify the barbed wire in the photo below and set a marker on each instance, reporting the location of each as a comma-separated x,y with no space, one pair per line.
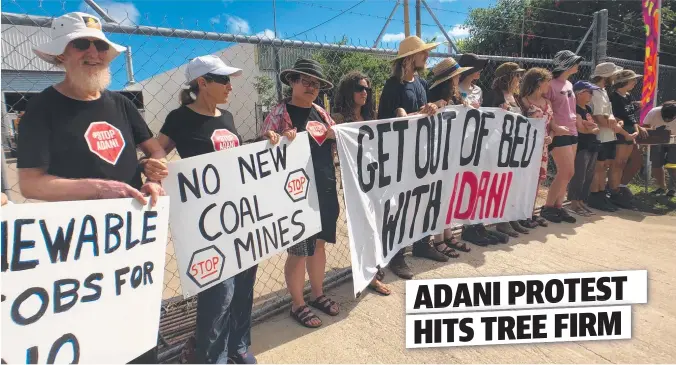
560,12
556,24
330,19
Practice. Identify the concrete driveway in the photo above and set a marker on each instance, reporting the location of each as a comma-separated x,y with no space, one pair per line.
371,329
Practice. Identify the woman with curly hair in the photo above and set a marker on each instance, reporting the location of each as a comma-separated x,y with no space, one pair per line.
353,102
534,87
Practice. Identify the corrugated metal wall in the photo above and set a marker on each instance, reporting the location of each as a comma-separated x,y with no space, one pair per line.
17,41
34,81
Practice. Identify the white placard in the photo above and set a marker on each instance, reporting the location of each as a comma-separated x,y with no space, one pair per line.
235,208
527,291
82,281
518,327
407,178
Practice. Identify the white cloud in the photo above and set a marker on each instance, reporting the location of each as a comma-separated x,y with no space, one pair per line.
266,34
215,20
237,25
459,31
393,37
122,13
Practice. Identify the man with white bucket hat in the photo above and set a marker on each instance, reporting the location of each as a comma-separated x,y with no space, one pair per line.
77,140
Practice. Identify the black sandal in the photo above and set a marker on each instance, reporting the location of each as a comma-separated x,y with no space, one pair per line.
324,304
455,244
447,251
303,317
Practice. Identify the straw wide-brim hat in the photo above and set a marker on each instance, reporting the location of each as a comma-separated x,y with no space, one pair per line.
69,27
445,70
412,45
626,75
606,69
307,67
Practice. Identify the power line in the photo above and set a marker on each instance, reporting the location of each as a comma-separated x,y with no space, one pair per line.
330,19
561,12
557,24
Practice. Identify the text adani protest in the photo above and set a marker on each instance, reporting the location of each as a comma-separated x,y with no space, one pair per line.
407,178
235,208
81,281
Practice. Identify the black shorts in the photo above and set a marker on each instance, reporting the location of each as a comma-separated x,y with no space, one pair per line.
623,141
661,155
607,151
562,141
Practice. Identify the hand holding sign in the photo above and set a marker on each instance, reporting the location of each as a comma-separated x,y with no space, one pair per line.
155,191
272,136
290,134
109,189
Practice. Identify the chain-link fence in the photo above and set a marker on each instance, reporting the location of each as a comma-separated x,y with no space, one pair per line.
153,84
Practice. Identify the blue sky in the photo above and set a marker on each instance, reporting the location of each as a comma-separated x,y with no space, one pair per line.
295,18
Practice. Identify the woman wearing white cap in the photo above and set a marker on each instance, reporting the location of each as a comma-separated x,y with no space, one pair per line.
224,311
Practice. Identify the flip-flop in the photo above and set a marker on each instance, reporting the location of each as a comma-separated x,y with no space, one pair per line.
380,289
580,211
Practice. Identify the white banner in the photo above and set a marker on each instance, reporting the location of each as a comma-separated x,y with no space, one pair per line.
82,281
235,208
407,178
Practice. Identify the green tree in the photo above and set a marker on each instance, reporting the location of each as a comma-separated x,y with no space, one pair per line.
548,26
266,91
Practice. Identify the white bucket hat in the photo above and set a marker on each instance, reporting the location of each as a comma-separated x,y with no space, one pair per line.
69,27
210,64
606,69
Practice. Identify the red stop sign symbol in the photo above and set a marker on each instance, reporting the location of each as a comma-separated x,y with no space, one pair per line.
204,269
223,139
105,141
206,266
297,184
317,131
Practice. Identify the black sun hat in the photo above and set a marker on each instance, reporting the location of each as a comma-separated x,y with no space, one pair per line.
307,67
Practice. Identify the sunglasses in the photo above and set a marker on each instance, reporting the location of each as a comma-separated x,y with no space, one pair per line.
362,88
219,79
83,44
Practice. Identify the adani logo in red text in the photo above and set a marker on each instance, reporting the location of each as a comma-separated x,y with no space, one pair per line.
105,141
297,184
206,266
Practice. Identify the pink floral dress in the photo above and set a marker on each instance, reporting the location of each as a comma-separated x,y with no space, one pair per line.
535,111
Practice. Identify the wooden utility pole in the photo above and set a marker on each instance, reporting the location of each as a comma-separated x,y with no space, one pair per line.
418,31
407,29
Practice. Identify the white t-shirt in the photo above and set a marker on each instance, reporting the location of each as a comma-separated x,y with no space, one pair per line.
654,119
475,95
600,105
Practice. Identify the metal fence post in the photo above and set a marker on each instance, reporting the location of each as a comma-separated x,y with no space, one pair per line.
602,36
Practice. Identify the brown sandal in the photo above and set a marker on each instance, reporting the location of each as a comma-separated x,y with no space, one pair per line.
447,251
324,304
380,288
454,243
303,317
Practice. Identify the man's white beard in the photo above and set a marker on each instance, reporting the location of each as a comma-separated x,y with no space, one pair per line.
91,80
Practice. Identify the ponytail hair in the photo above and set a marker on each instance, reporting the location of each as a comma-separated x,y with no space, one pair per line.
188,96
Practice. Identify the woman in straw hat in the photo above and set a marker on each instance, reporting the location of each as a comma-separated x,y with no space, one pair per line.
405,93
444,88
625,109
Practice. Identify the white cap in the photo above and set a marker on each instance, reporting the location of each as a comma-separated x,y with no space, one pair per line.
70,27
210,64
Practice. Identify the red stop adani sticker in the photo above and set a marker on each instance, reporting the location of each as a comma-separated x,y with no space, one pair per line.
105,141
223,139
317,131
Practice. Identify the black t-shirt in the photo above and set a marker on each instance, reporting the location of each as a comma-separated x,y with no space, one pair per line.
196,134
411,96
625,109
78,139
322,155
585,141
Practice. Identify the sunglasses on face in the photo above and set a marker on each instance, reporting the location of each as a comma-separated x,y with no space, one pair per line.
83,44
219,79
362,88
308,83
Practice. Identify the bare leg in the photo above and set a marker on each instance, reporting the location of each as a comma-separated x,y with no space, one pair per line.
316,269
564,158
658,173
633,166
617,169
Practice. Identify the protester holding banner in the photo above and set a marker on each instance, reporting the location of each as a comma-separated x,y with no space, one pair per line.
663,117
602,113
354,103
197,127
564,141
624,109
300,113
469,90
445,79
503,93
77,140
405,93
587,149
534,86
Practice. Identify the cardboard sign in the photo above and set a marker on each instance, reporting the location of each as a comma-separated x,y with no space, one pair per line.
105,141
81,281
408,178
235,208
